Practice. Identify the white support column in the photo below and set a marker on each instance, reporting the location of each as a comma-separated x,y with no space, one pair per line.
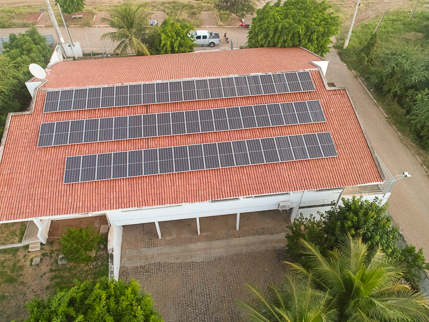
237,225
114,243
157,229
198,225
41,234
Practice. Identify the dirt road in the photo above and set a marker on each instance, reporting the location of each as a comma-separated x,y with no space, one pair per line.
409,202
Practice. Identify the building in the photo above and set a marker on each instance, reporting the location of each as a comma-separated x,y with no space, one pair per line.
170,137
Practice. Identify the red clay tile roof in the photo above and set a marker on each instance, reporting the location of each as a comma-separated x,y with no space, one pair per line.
178,66
31,178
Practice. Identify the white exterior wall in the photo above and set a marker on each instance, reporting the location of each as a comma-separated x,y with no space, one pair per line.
381,197
223,207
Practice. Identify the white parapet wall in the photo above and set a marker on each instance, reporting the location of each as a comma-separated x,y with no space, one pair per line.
114,245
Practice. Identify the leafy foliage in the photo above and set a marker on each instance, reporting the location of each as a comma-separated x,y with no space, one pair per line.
398,69
71,6
77,242
419,116
96,301
21,50
240,8
349,284
171,37
305,23
297,300
365,284
131,23
360,219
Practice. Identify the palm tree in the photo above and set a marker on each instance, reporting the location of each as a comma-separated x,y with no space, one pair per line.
131,23
298,301
365,286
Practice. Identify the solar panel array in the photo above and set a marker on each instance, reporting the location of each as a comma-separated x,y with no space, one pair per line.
177,91
198,157
176,123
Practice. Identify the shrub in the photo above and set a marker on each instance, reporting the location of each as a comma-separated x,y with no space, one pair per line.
77,242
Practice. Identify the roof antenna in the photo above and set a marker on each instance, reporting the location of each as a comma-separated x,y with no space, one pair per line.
37,71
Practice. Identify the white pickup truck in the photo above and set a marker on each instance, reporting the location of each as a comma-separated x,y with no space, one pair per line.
205,38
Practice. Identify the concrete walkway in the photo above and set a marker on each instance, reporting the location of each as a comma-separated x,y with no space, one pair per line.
409,203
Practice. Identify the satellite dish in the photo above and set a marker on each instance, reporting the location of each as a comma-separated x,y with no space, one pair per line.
37,71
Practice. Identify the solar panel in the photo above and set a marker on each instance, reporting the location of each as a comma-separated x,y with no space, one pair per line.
46,135
164,124
181,158
89,167
268,84
135,129
215,86
62,130
234,118
162,93
192,122
76,131
120,128
206,120
150,161
107,96
106,129
177,91
120,165
198,157
211,156
177,123
104,166
135,163
80,99
72,171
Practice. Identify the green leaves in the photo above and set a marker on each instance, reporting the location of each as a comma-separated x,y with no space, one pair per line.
240,8
172,37
96,301
77,242
131,22
71,6
303,23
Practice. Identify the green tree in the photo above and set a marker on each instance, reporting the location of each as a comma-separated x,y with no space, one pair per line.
21,50
240,8
96,301
77,242
361,219
170,38
419,116
296,301
365,285
305,23
131,22
71,6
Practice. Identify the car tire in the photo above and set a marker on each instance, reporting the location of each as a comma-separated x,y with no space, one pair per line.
212,44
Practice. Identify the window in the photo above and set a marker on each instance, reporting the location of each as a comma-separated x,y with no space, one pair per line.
205,37
198,37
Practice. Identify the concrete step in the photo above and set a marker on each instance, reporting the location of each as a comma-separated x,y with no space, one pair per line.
203,251
34,246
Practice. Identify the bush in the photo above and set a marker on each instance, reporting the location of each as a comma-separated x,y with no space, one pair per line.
360,219
77,242
224,16
100,300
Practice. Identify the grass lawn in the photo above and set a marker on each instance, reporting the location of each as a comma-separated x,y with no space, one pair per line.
12,233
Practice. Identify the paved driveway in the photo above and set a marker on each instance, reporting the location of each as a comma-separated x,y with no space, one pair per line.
409,202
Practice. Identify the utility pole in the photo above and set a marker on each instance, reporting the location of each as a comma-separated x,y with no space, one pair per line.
67,29
411,17
57,29
381,19
351,26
